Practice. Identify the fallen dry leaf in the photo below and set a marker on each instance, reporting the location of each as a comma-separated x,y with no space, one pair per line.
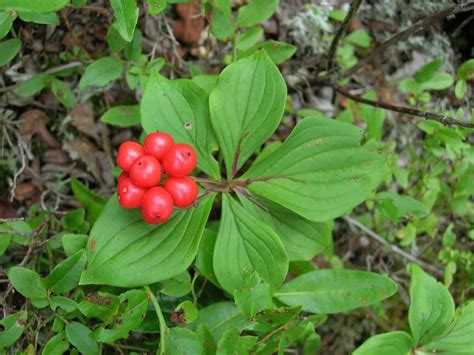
83,119
33,122
24,191
83,150
189,27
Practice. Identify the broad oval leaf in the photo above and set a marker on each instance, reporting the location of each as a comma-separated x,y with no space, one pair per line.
6,22
431,309
255,12
8,50
79,336
246,106
124,251
320,171
303,239
457,338
393,343
181,108
33,6
101,72
334,291
466,70
66,274
57,345
126,17
245,243
219,317
182,341
27,282
12,328
122,116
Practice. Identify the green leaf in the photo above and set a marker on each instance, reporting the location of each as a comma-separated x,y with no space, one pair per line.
65,303
256,244
126,17
279,51
466,70
374,117
27,282
57,345
254,296
255,12
408,85
428,71
8,50
5,240
33,6
249,38
73,220
359,38
218,317
188,310
79,336
460,89
101,72
103,307
232,343
65,276
206,82
210,346
333,291
221,25
182,341
40,18
457,338
128,252
177,286
11,328
303,239
246,106
431,309
320,171
32,86
122,116
6,22
72,243
180,108
133,49
114,40
439,81
93,203
156,7
63,93
393,343
204,262
397,206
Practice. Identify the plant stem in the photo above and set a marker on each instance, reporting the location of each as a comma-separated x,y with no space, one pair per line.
161,319
340,33
445,120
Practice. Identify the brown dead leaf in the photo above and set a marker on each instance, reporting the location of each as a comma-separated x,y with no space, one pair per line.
83,150
54,156
6,210
189,27
33,122
24,191
83,119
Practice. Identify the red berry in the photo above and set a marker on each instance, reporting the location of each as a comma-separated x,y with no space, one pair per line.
122,176
183,190
146,171
129,194
128,152
180,160
158,144
157,205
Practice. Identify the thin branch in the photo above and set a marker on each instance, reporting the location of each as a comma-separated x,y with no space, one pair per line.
443,119
341,32
401,36
392,247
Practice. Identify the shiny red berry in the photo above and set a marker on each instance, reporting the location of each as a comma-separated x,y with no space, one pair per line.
122,176
129,194
180,160
158,144
146,171
157,205
183,190
127,154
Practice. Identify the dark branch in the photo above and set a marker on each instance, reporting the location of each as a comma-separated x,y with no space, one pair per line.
401,36
445,120
340,33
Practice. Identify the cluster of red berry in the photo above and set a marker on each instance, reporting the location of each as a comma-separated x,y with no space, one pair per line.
143,168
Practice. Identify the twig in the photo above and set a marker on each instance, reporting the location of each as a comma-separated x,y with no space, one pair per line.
445,120
392,247
161,319
401,36
340,33
60,68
